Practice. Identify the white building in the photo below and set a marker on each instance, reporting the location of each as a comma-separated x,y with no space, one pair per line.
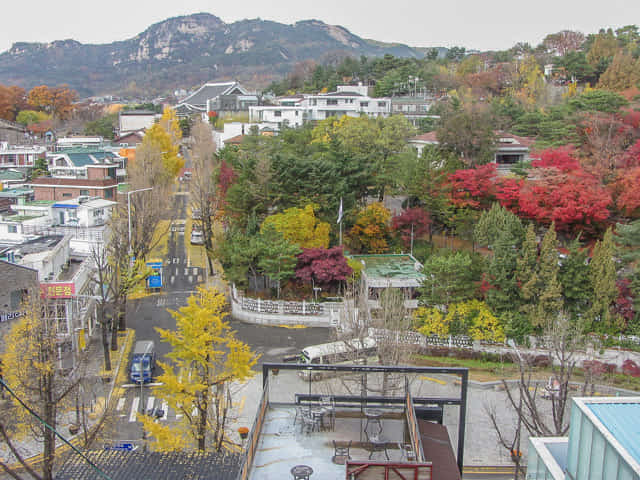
134,120
297,110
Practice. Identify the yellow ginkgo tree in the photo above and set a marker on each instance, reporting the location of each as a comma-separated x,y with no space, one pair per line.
206,359
31,369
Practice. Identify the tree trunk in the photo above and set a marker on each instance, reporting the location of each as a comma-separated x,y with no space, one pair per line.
122,315
202,422
114,330
49,437
105,338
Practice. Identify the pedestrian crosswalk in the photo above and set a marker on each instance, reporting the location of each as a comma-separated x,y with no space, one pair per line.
128,407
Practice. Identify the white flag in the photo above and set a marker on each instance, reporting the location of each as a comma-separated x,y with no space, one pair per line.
340,212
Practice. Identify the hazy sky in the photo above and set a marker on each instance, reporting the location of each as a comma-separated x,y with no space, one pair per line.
481,24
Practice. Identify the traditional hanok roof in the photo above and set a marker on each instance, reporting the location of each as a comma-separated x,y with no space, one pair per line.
119,465
210,91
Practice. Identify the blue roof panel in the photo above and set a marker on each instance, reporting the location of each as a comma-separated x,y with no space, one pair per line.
623,421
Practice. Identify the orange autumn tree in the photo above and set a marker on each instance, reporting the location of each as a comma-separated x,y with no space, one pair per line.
58,101
12,100
371,233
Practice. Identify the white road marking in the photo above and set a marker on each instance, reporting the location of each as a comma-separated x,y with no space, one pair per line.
134,409
120,405
186,271
195,271
190,278
150,402
137,385
199,278
165,409
172,279
195,412
178,415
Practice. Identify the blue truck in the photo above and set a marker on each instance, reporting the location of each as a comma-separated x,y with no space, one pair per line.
143,362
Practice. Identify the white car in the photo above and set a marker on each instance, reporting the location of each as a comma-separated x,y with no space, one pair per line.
197,238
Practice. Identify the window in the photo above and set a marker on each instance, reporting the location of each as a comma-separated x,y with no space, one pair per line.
314,102
98,212
108,193
382,104
364,104
13,228
66,195
84,192
277,113
16,299
296,113
332,101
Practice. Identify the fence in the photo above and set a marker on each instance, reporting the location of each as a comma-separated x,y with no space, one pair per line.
414,432
415,338
254,434
96,234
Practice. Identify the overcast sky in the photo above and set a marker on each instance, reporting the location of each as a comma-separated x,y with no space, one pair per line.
477,24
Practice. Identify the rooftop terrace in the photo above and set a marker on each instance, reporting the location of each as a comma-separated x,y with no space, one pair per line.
341,421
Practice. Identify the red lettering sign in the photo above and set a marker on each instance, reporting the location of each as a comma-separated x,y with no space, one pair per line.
58,290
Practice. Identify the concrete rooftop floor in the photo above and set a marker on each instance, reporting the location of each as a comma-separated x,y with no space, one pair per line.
282,445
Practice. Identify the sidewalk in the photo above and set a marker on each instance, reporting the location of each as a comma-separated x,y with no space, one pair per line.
96,395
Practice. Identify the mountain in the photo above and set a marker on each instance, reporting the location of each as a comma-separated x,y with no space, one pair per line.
184,52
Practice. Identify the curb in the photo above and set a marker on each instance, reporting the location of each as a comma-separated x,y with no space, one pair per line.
35,460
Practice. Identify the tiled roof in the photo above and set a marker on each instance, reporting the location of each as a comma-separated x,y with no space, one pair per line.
426,137
237,140
209,91
152,465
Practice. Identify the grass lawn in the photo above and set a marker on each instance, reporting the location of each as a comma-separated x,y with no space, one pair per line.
487,371
479,370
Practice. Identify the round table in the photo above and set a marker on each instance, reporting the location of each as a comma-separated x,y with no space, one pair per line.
301,472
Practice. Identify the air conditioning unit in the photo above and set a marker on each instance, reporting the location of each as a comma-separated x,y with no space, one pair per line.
83,199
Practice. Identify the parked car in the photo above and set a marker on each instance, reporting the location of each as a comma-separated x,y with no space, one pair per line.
143,362
196,215
197,238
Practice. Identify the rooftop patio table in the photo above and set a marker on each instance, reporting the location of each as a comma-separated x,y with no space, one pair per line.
301,472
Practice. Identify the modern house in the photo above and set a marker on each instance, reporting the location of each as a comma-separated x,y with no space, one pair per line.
130,139
413,108
511,150
78,172
603,443
16,283
20,157
297,110
217,98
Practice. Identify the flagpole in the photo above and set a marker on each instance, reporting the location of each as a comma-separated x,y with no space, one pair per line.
340,214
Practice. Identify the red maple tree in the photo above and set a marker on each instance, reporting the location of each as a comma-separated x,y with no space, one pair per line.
412,218
473,187
322,266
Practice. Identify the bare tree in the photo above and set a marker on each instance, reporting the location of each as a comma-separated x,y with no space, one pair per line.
202,186
542,411
102,277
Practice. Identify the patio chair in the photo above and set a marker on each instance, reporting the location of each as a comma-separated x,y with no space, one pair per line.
329,406
408,455
309,421
341,453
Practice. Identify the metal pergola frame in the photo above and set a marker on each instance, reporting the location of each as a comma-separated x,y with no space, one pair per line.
461,401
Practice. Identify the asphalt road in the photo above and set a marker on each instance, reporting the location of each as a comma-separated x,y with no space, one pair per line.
146,314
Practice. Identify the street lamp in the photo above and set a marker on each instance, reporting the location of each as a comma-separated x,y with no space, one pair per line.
129,210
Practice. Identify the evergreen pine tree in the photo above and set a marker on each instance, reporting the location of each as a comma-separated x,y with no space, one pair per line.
604,290
574,279
550,300
526,272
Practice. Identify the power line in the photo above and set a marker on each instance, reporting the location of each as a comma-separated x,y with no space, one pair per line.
28,409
